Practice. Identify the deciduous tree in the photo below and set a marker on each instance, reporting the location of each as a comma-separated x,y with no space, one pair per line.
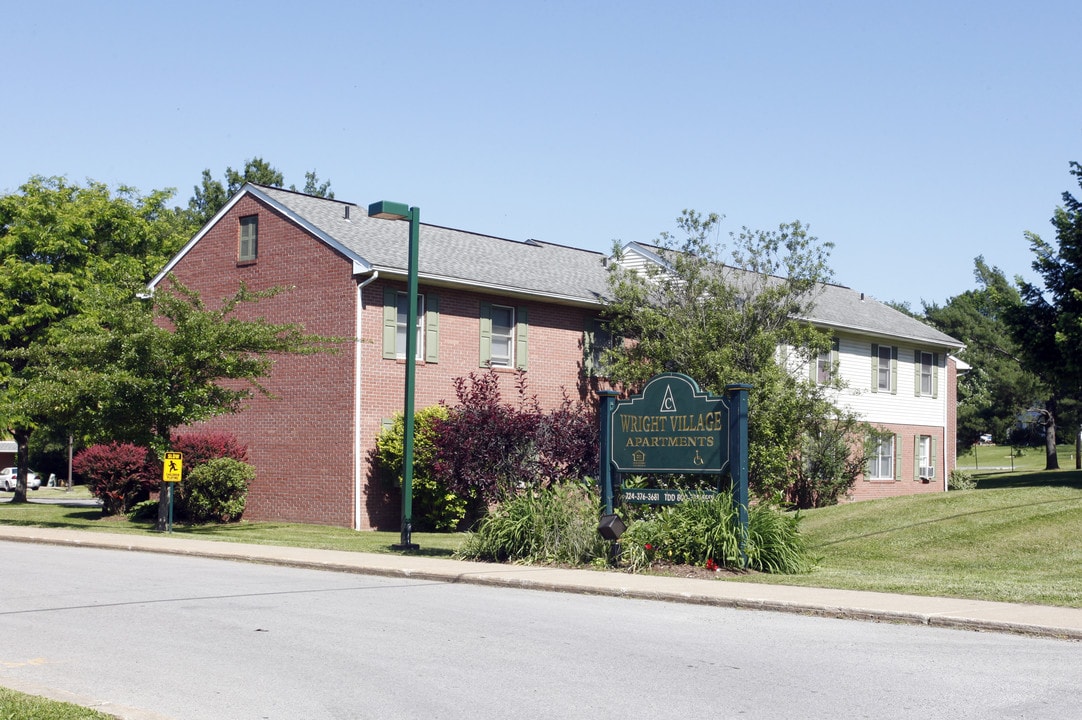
721,315
65,250
138,372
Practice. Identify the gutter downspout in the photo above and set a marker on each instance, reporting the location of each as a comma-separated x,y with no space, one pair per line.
357,367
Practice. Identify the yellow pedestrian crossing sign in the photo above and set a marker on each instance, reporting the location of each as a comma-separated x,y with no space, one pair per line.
172,467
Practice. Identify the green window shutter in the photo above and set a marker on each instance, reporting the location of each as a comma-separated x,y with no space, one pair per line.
432,328
875,367
934,456
835,355
897,458
588,346
935,375
916,372
521,354
813,369
916,457
390,322
893,370
486,334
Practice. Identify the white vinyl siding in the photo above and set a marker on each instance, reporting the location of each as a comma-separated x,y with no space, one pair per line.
856,373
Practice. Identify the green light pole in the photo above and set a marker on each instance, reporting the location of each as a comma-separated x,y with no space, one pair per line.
400,211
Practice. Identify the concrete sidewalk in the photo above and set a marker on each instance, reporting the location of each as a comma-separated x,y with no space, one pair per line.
1040,620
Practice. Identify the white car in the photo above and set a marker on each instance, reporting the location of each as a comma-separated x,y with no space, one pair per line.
9,478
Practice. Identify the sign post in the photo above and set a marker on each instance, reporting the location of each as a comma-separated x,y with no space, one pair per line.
172,469
673,427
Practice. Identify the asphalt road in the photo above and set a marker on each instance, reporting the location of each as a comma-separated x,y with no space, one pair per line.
154,636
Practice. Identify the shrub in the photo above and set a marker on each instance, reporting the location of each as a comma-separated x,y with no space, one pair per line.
830,459
216,491
199,447
435,506
491,449
961,480
706,532
117,474
557,524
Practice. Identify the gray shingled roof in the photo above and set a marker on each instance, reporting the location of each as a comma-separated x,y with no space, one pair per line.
835,306
544,269
844,308
453,255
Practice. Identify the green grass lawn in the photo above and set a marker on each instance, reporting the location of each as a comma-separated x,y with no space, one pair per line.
982,459
1016,538
264,533
19,706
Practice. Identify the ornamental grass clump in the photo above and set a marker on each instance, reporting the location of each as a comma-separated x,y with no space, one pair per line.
705,533
556,524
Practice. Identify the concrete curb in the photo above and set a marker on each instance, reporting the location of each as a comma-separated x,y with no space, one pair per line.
974,615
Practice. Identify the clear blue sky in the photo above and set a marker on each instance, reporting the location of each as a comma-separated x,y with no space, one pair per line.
914,136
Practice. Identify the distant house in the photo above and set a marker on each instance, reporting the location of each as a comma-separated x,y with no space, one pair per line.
485,302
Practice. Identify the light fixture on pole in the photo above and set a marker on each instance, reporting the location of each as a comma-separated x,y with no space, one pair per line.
400,211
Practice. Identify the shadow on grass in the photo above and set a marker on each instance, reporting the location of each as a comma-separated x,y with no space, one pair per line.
956,516
1046,478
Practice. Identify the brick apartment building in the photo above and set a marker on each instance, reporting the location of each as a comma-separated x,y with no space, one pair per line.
485,302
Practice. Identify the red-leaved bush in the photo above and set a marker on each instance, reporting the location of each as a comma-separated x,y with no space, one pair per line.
117,474
489,449
199,447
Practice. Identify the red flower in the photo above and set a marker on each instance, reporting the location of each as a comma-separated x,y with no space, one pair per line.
711,565
648,546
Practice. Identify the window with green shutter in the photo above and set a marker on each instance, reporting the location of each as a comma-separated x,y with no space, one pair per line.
503,341
884,368
395,319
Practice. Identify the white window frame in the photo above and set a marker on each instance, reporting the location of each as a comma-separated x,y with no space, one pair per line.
509,336
883,455
401,320
924,457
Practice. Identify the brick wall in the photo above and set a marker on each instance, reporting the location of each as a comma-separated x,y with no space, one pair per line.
867,488
554,363
300,440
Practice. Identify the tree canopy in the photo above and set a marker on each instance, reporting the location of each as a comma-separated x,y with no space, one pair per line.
211,195
720,315
999,386
1047,323
66,251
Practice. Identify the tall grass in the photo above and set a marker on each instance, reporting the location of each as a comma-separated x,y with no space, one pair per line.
553,525
706,532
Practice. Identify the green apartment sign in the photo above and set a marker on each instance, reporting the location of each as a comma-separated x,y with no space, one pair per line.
672,427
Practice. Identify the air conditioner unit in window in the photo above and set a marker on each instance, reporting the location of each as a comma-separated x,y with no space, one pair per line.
927,471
